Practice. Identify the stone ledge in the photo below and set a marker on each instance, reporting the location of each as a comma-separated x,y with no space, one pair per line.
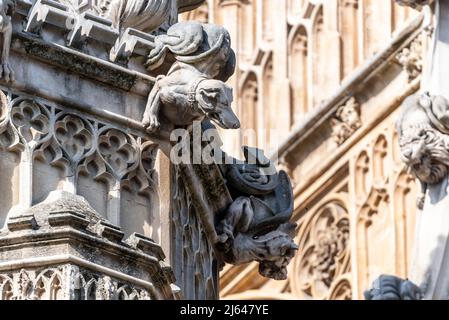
78,62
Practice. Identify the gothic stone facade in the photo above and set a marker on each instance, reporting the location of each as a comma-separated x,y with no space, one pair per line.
91,204
330,75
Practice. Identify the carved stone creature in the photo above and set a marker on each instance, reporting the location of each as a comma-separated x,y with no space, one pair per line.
256,225
346,121
388,287
183,97
205,48
6,8
423,130
189,92
411,59
273,250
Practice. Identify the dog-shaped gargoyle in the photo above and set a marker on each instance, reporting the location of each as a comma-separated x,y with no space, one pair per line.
185,96
6,8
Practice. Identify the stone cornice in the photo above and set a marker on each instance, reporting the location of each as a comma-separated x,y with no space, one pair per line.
78,62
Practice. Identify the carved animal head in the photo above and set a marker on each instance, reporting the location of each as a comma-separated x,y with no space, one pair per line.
214,99
281,251
424,147
273,250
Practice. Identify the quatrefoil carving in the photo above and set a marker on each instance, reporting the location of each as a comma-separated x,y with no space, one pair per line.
31,120
74,136
3,106
118,151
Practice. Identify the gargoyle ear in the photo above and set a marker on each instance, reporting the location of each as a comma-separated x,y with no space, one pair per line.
440,108
9,7
209,97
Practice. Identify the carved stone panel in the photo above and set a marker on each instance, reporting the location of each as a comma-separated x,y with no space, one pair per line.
325,253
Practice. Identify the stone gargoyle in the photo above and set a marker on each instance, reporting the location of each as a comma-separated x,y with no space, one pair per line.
423,129
6,8
194,87
388,287
256,225
184,96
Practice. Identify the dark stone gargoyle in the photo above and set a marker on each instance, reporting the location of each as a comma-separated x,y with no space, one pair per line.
388,287
256,226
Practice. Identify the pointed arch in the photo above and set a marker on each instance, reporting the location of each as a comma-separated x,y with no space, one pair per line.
248,114
267,19
348,12
380,163
298,72
375,33
269,103
318,51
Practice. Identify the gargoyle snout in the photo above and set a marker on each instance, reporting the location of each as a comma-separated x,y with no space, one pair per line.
413,154
228,120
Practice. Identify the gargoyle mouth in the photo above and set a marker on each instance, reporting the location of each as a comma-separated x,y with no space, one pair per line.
224,123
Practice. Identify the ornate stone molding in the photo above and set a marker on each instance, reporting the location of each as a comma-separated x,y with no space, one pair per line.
256,226
79,146
325,254
81,257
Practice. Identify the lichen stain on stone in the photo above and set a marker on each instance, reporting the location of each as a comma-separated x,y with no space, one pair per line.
79,65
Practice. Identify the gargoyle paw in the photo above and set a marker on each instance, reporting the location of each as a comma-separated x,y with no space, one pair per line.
152,123
6,72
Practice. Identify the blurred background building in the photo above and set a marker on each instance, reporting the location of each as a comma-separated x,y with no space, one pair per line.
328,76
